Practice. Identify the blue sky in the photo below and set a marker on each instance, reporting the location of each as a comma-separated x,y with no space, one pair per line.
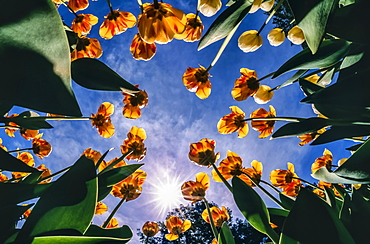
175,117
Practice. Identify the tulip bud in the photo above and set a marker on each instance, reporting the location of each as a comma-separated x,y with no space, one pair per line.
209,7
250,41
263,95
276,37
267,6
296,36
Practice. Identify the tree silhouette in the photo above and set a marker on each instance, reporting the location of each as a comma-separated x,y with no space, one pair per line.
200,231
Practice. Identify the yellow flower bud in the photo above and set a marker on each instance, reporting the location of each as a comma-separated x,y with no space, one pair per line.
209,7
267,6
250,41
276,37
255,6
296,36
263,95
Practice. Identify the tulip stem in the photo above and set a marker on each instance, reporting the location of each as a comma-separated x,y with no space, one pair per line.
223,46
156,4
141,5
265,191
20,150
222,178
308,183
273,12
266,76
113,213
52,175
10,126
293,119
110,6
70,8
211,222
272,187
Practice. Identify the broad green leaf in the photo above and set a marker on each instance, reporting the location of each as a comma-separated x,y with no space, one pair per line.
311,210
308,87
32,178
124,233
327,77
102,158
13,193
341,132
75,240
103,191
29,120
225,236
251,206
354,147
355,55
277,217
93,74
348,22
116,175
225,23
312,16
10,216
5,107
278,212
332,200
330,53
10,163
300,128
286,201
294,78
67,206
35,62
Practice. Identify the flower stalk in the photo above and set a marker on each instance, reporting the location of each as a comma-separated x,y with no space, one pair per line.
222,178
20,150
113,213
211,222
292,119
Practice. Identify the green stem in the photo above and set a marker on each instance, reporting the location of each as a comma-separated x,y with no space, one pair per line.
156,4
265,191
110,6
20,150
271,186
308,183
273,235
293,119
222,178
55,174
113,212
141,5
70,8
273,12
223,46
267,76
211,222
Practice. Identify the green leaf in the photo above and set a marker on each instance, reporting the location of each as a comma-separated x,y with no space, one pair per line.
29,120
330,53
355,55
251,205
311,210
294,78
35,62
277,217
308,87
10,163
354,147
93,74
225,236
286,201
312,16
341,132
124,233
10,216
300,128
327,77
225,23
32,178
68,206
75,240
103,191
13,193
116,175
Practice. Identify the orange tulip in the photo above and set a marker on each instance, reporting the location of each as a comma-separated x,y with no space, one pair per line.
233,122
101,120
115,23
197,80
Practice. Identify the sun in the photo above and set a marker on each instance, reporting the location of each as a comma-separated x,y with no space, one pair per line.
167,193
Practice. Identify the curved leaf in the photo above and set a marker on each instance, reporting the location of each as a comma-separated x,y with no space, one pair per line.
10,163
75,240
67,206
300,128
294,78
29,120
124,233
93,74
329,53
225,23
225,236
312,16
341,132
35,62
311,210
116,175
308,87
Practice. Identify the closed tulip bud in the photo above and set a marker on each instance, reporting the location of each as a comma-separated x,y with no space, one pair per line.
209,7
296,36
263,95
255,6
276,37
250,41
267,6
